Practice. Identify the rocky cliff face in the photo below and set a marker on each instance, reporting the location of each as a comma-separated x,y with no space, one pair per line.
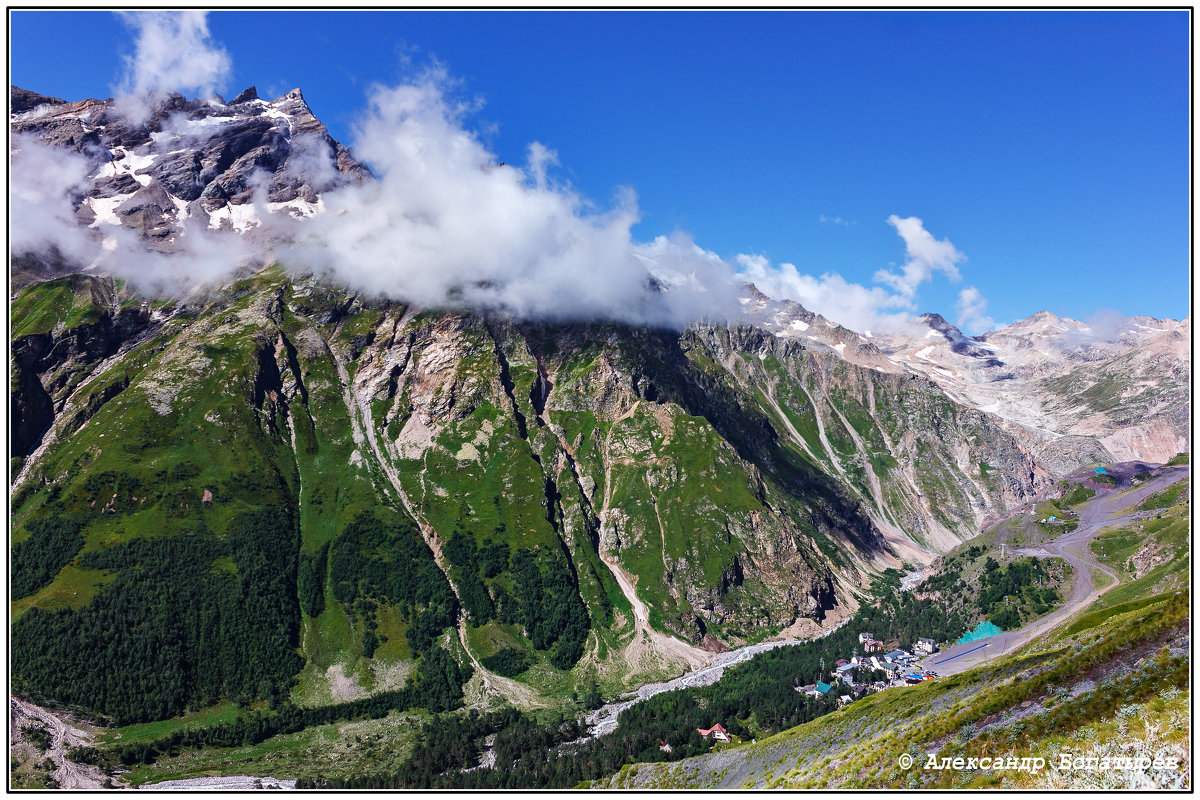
223,165
1070,393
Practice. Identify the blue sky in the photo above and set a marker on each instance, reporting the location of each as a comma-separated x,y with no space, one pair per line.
1050,148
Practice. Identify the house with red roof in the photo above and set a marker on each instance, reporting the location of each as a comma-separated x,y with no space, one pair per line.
717,731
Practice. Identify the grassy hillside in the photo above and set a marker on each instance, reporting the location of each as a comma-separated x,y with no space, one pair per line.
1113,682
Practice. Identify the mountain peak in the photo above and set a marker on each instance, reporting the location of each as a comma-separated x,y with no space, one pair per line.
1043,316
21,100
246,96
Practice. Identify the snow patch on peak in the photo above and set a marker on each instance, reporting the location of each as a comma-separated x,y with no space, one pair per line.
240,217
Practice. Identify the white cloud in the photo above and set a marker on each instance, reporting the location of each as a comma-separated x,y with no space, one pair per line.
830,295
174,52
447,224
43,184
926,255
836,220
853,305
972,312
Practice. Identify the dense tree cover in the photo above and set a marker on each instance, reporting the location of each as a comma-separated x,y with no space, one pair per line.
311,581
173,629
548,606
755,698
436,688
1017,592
1078,493
508,662
439,684
900,618
461,551
53,542
390,563
1005,595
545,598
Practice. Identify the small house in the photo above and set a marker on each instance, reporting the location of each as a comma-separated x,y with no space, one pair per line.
863,638
873,646
843,700
823,688
926,646
717,731
841,662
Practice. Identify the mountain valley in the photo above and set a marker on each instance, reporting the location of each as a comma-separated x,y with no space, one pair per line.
273,507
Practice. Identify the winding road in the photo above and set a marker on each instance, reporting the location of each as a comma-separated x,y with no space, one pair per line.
1098,513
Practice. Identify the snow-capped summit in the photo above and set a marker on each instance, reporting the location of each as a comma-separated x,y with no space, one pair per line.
225,164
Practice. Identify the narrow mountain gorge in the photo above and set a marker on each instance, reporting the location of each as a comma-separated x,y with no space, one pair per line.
275,488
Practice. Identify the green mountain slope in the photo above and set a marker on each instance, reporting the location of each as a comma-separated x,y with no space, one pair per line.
345,486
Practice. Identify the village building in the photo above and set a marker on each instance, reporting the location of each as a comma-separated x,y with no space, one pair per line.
926,646
863,638
717,731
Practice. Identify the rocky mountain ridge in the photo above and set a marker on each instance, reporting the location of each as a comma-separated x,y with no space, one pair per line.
1073,394
211,163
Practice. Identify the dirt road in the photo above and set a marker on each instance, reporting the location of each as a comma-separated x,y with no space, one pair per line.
1100,512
